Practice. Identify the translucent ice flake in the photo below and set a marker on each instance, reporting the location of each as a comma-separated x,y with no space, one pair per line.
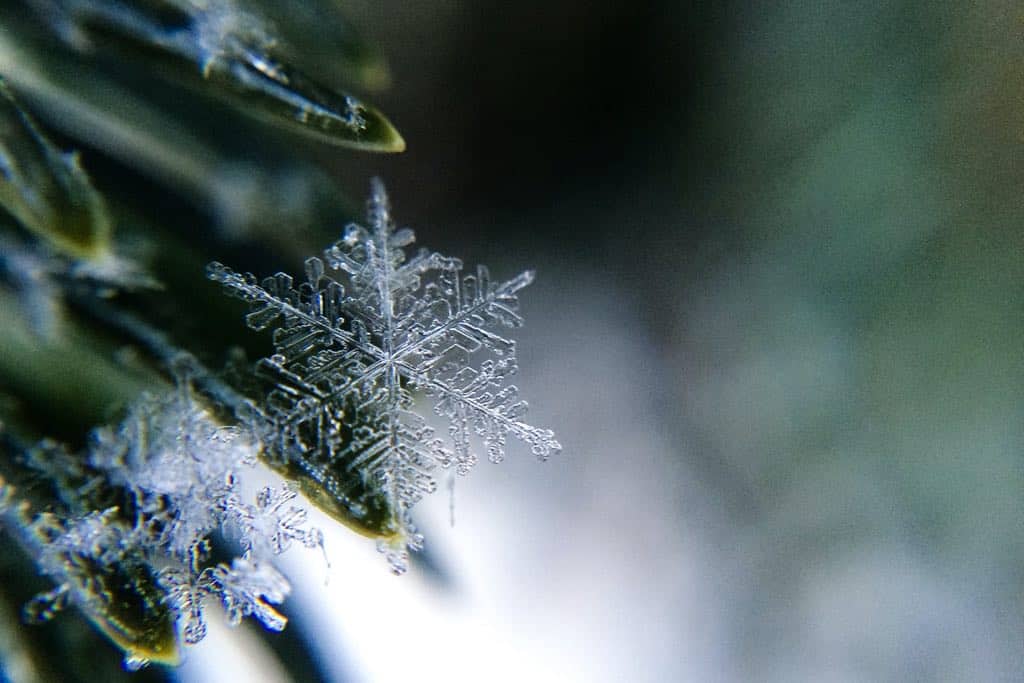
186,588
182,465
271,525
351,348
248,588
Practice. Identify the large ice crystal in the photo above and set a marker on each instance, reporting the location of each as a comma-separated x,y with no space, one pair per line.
352,349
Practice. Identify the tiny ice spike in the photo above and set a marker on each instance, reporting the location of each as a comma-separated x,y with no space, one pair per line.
352,347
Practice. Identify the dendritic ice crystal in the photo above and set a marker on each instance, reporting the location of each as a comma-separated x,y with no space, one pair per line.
171,478
351,350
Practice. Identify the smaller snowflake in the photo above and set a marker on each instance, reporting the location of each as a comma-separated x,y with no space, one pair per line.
270,526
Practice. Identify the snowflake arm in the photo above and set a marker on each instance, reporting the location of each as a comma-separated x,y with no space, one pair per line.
187,588
248,588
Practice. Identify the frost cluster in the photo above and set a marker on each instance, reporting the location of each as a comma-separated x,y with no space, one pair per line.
179,473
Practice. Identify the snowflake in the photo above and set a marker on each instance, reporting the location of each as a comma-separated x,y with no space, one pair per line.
181,465
351,349
269,527
187,587
246,588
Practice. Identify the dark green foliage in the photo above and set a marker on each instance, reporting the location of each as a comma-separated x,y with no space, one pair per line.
188,116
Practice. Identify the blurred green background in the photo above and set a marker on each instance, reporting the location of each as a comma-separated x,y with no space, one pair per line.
795,231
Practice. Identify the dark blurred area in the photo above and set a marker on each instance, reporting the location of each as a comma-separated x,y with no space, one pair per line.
796,229
519,103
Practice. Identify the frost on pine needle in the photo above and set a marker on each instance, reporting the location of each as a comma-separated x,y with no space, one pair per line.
173,475
186,470
181,465
353,348
234,51
97,569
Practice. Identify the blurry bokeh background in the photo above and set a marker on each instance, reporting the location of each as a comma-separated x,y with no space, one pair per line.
777,325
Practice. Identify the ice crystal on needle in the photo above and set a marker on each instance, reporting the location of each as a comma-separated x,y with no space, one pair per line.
174,478
351,349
